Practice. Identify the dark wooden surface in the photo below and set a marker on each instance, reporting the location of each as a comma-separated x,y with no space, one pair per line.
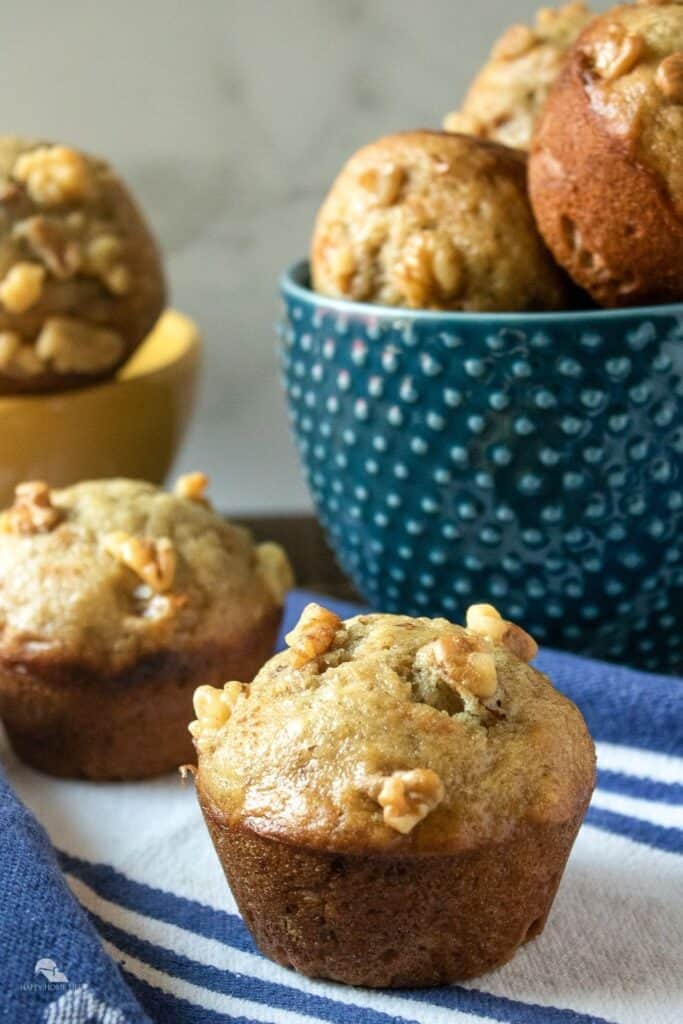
304,541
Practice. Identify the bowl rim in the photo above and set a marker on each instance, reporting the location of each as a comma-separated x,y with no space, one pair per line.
294,284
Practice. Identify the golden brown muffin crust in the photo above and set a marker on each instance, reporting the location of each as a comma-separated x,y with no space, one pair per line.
81,282
434,220
605,172
390,738
505,98
103,573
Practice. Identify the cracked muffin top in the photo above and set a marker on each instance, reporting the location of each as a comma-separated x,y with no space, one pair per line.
432,220
103,573
81,282
606,166
386,731
506,96
631,67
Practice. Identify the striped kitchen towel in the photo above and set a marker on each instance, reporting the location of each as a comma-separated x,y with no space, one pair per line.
153,933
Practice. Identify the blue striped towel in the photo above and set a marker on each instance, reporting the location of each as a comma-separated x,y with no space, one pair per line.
153,933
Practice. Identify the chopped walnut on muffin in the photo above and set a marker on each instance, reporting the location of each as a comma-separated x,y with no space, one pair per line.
81,281
505,98
606,167
116,600
432,220
393,799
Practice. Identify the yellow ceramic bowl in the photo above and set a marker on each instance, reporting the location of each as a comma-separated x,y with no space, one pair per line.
129,426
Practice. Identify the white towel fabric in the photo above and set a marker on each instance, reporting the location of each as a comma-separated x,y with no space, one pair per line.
137,856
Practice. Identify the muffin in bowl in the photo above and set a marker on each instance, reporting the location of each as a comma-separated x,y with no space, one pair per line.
393,800
605,170
81,281
432,220
505,98
116,600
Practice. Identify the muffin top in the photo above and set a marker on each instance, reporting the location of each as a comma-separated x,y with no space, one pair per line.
81,282
432,220
504,100
386,731
105,572
630,65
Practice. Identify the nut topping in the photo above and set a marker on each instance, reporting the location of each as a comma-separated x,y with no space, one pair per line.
103,259
548,17
52,174
669,77
431,267
213,708
74,346
313,634
517,41
385,182
484,620
617,54
32,511
342,264
48,240
408,797
465,663
446,266
22,287
17,359
193,487
154,561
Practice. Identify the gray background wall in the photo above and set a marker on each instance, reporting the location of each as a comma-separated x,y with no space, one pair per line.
230,118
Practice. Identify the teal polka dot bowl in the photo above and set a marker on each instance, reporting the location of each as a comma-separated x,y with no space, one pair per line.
534,461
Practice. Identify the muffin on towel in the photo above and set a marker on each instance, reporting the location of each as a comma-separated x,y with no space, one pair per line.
116,600
393,800
81,282
431,220
606,169
504,100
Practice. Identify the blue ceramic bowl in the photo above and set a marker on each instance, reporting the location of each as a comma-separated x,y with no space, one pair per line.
531,460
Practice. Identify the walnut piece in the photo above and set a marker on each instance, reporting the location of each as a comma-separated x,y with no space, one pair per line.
275,569
407,797
52,174
22,286
669,77
32,511
431,267
384,182
547,17
51,242
484,620
16,358
154,561
213,708
342,264
617,54
74,346
193,487
517,41
313,634
465,662
103,260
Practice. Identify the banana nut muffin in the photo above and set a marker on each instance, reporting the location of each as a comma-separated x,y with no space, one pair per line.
505,98
606,171
116,600
81,282
432,220
393,800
